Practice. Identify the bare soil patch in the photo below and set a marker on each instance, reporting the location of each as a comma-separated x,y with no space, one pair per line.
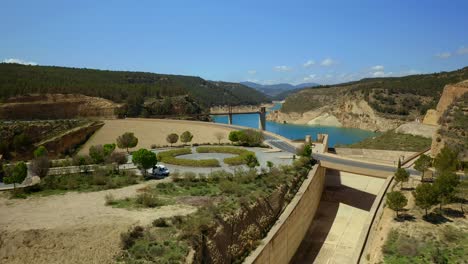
71,228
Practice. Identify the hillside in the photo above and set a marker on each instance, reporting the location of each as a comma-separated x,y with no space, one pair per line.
453,121
374,103
275,90
121,86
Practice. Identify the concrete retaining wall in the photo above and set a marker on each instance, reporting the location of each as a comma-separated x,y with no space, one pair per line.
383,156
369,231
284,238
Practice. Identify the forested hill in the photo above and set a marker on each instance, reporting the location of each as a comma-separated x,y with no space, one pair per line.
397,96
120,86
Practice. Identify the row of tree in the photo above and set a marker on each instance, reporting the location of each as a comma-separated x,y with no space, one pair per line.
441,191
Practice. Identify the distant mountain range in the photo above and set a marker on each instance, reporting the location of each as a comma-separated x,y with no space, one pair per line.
274,90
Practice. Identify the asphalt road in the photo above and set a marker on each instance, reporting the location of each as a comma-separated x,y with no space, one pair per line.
278,143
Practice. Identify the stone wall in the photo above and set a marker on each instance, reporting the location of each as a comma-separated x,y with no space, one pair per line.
284,238
68,142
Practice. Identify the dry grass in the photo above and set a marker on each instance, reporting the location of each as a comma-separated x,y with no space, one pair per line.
154,131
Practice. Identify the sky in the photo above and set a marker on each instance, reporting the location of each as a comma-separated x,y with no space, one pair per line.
262,41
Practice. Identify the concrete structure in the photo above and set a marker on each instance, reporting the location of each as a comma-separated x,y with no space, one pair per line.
284,238
341,216
261,116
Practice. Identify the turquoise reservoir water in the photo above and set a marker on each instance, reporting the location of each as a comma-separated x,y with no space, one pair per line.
337,135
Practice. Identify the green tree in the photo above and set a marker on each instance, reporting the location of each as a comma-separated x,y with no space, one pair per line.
186,137
445,185
396,201
423,163
425,196
108,149
305,150
16,174
145,159
250,137
127,140
172,138
234,136
251,160
446,160
401,175
21,142
270,165
41,151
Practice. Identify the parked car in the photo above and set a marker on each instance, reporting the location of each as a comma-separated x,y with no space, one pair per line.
158,172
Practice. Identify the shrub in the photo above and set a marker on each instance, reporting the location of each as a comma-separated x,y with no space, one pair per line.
305,150
161,222
97,153
234,136
148,200
128,238
110,199
250,137
99,179
153,146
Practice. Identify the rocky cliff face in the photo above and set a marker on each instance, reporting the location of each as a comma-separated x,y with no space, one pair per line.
352,112
56,106
452,117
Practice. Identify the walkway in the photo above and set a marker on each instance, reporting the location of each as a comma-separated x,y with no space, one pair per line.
341,215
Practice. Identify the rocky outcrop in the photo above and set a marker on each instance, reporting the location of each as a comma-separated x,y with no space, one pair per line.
417,129
56,106
347,112
452,110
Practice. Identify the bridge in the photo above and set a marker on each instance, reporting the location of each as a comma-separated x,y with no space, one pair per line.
261,116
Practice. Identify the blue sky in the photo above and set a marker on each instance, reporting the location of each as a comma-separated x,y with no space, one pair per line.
263,41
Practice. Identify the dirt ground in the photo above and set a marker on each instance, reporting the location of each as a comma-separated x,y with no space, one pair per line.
71,228
155,131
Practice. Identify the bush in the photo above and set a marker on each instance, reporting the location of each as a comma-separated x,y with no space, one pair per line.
110,199
161,222
128,239
148,200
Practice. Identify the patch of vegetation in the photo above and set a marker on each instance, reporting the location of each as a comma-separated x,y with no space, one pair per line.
169,157
449,246
391,140
130,88
153,245
241,153
231,192
101,179
247,137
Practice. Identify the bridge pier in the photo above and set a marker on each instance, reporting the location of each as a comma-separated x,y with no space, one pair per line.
230,118
262,118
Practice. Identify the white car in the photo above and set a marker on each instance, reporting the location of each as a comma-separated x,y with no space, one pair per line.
158,172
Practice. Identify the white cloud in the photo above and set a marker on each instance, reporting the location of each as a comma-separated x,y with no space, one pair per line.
462,50
327,62
378,68
252,72
378,74
282,68
19,61
444,55
309,63
310,77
